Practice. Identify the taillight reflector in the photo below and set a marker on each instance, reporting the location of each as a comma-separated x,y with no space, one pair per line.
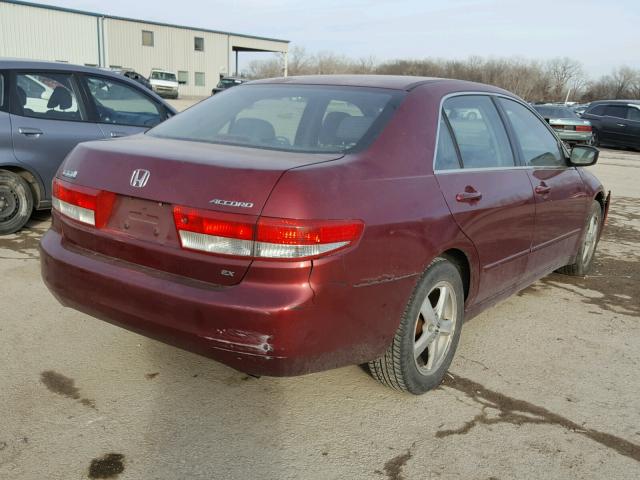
224,234
583,128
86,205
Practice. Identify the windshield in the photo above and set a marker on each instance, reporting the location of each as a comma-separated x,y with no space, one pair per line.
287,117
163,76
556,112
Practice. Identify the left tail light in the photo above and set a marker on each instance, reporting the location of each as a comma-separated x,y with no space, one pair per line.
83,204
583,128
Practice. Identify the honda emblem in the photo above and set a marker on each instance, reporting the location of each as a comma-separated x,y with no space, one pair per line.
139,178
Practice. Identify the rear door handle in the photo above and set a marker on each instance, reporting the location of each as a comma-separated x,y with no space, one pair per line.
30,132
469,195
117,134
621,124
543,189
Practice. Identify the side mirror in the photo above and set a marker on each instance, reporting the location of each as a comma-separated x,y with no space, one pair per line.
583,156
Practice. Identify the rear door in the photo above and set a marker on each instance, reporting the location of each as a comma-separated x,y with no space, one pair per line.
48,119
560,196
6,148
614,124
489,195
121,109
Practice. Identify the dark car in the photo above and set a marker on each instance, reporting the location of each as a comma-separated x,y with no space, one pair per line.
568,125
615,122
133,75
227,82
301,224
46,109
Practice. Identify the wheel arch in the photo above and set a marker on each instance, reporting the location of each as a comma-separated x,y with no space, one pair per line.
32,179
460,259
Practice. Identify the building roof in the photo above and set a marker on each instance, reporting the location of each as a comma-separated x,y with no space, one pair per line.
137,20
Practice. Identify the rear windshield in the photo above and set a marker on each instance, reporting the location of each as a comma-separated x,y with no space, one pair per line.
287,117
556,112
163,76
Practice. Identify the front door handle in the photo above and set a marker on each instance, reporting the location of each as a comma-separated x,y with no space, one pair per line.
117,134
30,132
469,195
543,189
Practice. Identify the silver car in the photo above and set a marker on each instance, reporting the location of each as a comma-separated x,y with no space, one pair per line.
570,128
46,109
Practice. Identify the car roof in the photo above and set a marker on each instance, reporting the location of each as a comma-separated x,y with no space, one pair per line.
394,82
20,63
620,102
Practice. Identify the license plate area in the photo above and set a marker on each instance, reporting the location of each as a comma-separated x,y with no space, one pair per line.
144,220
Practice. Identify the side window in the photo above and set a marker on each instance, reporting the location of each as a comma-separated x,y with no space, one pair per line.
539,146
122,104
617,111
52,96
597,110
633,114
446,155
2,92
479,132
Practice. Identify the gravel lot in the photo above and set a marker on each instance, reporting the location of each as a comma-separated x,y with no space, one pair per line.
545,385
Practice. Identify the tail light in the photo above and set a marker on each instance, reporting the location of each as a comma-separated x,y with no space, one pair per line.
82,204
583,128
270,238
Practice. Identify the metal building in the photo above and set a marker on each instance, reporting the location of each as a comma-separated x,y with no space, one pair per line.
197,56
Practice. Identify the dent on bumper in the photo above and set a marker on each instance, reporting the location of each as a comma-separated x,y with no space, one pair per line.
242,326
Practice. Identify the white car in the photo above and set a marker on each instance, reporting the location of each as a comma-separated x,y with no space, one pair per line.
164,83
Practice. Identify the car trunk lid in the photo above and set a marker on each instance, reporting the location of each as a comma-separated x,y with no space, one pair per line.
151,175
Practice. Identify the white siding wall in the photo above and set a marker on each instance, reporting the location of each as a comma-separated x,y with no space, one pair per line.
46,34
42,34
173,50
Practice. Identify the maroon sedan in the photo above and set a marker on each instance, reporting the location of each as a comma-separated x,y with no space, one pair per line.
293,225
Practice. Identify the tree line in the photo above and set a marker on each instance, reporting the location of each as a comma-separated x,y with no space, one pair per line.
553,80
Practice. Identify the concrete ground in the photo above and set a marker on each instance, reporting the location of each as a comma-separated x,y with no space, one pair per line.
545,385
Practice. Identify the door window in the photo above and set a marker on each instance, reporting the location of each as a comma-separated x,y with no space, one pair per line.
48,95
597,110
479,132
617,111
123,104
446,155
539,146
633,114
2,89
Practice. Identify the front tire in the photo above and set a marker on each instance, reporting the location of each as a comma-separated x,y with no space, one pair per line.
588,244
428,334
16,202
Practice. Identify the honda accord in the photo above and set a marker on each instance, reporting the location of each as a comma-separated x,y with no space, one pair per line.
293,225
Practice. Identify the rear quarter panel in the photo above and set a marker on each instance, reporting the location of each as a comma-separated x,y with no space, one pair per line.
391,187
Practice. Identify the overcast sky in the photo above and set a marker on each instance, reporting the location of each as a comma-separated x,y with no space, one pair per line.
601,34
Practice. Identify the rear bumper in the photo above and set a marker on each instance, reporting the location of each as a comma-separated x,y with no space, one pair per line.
578,137
258,326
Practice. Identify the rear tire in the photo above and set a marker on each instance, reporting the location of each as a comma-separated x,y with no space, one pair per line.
428,334
16,202
588,244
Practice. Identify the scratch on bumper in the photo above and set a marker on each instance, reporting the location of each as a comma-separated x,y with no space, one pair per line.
383,279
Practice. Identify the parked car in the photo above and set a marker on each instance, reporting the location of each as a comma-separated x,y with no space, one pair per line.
227,82
164,83
301,224
46,109
133,75
569,127
579,109
615,122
